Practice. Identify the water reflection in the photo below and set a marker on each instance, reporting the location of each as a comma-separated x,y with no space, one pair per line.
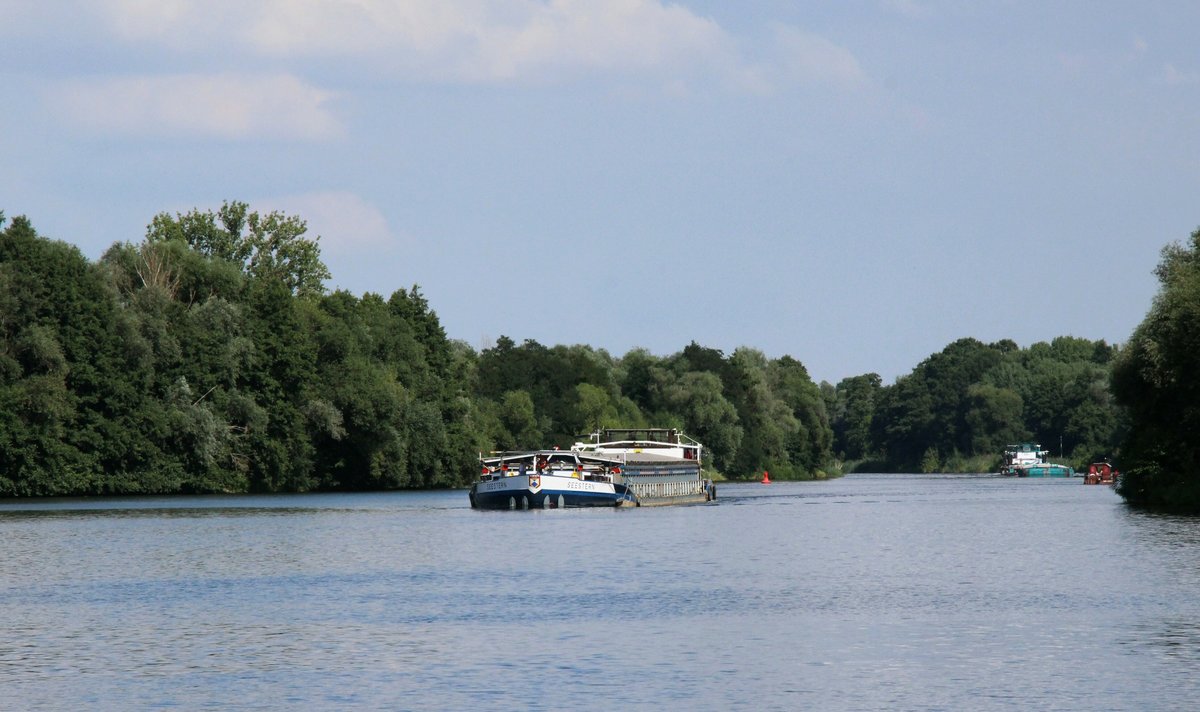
181,512
1162,529
1173,637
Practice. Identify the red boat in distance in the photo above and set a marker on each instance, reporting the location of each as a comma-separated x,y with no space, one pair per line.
1100,473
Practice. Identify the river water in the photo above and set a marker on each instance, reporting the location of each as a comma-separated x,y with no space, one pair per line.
870,592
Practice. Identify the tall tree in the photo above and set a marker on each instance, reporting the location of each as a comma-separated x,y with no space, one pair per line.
705,413
855,399
272,247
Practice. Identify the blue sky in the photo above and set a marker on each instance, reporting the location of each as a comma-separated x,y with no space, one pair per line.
856,184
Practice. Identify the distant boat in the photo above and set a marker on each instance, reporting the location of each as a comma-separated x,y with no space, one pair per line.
1100,473
1028,460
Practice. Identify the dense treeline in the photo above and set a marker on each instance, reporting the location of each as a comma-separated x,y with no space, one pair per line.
1158,378
958,408
209,358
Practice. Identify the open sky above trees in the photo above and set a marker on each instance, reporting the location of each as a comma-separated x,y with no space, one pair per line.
855,184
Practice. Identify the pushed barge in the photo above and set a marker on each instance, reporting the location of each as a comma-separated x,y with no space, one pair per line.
613,468
658,465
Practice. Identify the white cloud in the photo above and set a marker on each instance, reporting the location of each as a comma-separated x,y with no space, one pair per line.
812,59
357,27
623,35
345,222
226,106
462,40
490,41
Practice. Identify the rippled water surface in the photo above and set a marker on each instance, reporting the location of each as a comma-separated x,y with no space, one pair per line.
864,593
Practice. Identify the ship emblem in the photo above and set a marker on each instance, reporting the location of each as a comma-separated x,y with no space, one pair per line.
534,482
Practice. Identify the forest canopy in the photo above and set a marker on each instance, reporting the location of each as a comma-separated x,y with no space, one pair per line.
209,357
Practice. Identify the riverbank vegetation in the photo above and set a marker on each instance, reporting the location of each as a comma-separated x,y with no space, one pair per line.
1157,377
208,357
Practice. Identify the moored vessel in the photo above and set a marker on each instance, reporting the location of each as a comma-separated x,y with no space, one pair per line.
1100,473
1028,460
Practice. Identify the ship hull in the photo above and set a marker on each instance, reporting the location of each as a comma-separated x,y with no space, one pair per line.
547,492
1046,471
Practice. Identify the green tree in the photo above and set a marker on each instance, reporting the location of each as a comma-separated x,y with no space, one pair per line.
206,359
927,410
519,416
64,376
768,422
271,247
855,399
1157,377
594,409
706,415
810,445
902,427
994,418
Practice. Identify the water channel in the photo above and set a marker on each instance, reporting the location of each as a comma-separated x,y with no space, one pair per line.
869,592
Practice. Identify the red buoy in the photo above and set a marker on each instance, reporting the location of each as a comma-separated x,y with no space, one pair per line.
766,480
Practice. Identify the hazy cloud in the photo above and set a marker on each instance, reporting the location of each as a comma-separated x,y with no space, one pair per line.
21,16
909,8
139,19
484,40
625,35
345,222
226,106
810,58
1174,76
